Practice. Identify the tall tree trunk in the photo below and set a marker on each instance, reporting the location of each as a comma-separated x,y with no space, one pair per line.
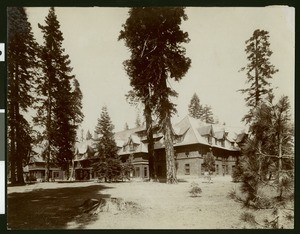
149,130
12,153
19,158
49,135
47,172
280,189
257,94
170,160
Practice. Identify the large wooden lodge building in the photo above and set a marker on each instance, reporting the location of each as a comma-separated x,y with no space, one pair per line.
192,140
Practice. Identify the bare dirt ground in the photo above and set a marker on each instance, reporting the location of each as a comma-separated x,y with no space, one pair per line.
160,206
171,206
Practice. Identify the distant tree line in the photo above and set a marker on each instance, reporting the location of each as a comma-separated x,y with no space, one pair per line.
40,79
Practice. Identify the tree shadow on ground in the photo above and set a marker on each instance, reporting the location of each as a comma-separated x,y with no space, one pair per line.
50,208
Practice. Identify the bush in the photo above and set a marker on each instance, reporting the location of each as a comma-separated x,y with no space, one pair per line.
195,189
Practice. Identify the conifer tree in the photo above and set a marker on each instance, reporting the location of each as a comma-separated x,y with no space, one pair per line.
22,63
59,102
268,160
108,165
195,108
88,135
154,38
76,103
267,157
259,70
207,115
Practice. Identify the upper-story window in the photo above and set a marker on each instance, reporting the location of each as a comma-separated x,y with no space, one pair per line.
131,147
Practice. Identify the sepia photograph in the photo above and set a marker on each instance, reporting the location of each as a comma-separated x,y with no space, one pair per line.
150,117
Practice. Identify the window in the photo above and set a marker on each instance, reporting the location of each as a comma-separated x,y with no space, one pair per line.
217,169
187,169
131,147
222,143
56,174
137,172
145,172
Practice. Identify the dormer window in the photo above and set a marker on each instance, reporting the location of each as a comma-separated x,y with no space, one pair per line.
131,147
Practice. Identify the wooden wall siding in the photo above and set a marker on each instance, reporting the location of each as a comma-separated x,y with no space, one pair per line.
194,166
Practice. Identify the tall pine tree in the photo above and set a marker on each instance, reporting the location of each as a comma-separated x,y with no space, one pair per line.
88,135
59,106
109,165
154,38
259,70
207,115
22,63
195,108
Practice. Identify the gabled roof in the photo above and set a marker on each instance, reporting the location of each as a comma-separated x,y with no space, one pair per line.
36,158
125,134
120,143
135,139
240,137
141,148
219,135
84,147
205,130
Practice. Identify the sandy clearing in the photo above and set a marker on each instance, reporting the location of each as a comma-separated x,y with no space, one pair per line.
161,206
171,206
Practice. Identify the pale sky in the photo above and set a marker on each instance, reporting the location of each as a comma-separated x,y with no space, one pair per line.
216,49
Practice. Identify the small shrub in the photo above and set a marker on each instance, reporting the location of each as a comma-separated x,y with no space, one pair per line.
195,189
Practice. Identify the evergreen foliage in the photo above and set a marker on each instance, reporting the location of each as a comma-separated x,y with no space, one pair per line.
207,115
268,158
197,111
88,135
59,97
209,162
267,162
108,165
259,70
22,66
154,38
195,108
